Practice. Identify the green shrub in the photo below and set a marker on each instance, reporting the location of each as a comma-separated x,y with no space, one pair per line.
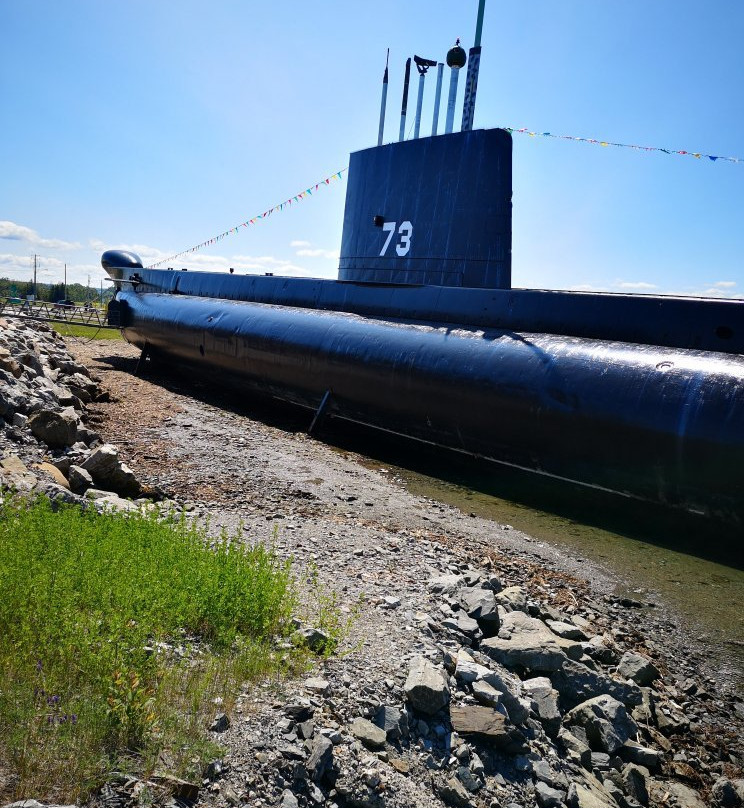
118,631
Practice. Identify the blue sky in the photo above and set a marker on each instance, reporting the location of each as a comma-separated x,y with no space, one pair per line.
153,125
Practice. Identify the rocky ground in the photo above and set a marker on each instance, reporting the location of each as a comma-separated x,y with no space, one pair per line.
479,669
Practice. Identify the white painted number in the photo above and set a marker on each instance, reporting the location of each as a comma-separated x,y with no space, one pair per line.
405,231
390,227
404,245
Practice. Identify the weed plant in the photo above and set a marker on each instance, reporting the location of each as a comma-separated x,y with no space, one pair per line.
116,633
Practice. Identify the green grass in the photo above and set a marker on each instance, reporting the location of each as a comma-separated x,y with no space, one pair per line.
118,631
86,331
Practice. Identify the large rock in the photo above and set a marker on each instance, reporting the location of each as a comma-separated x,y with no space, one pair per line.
54,473
463,624
606,723
31,362
577,683
454,793
526,642
566,630
107,501
728,793
109,472
548,797
81,386
545,700
393,721
575,747
486,723
446,584
320,762
638,668
487,682
15,475
427,687
579,796
9,364
669,792
56,429
368,733
513,598
634,782
480,604
79,479
633,752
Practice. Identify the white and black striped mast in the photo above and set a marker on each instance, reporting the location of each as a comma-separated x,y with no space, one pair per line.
471,82
404,105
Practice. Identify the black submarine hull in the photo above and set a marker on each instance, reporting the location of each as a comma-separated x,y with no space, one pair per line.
648,422
422,335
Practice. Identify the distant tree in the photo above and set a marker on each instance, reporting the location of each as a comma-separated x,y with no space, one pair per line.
57,292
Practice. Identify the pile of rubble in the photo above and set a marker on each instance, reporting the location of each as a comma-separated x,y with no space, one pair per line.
46,447
506,702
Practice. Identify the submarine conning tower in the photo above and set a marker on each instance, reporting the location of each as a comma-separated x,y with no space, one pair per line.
431,211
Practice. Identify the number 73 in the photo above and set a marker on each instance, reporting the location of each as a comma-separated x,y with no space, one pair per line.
404,231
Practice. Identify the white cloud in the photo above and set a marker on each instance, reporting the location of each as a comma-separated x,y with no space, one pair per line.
305,249
635,285
317,253
716,291
725,284
17,232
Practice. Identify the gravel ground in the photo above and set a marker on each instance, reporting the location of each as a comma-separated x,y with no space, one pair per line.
249,465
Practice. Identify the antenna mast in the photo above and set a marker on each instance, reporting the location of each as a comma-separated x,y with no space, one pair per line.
383,104
404,105
471,82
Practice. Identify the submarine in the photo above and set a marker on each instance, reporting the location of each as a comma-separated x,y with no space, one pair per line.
422,335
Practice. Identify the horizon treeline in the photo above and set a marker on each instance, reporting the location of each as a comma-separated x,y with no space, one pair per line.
52,292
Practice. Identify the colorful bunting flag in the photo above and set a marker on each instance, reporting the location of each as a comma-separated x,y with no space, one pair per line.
697,155
264,215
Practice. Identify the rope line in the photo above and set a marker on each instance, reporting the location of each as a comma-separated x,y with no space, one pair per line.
248,222
698,155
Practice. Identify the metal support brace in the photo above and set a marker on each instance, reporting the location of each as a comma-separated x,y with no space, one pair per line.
144,355
321,411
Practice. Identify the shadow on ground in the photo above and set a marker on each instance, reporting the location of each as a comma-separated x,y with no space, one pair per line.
647,522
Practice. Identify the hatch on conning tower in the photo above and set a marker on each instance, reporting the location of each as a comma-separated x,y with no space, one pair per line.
435,210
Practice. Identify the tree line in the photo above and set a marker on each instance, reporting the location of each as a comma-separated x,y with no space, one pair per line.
52,292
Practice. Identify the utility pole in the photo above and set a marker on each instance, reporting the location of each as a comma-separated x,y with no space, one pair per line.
65,293
34,291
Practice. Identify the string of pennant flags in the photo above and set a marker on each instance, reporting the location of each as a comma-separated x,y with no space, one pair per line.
337,176
698,155
255,219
